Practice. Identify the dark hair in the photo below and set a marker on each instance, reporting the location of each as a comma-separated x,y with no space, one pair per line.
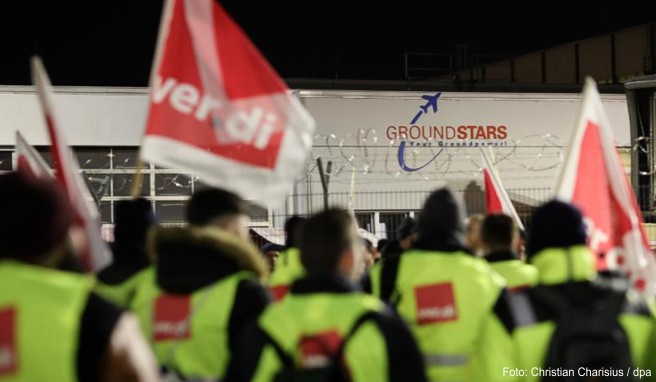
214,203
497,231
382,243
292,230
36,216
325,237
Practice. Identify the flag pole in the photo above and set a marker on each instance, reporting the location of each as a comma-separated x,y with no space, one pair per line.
167,11
137,180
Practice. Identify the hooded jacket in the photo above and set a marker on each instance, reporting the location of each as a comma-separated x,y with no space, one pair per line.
188,259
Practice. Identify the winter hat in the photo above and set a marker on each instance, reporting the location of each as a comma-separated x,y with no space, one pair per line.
408,227
555,225
36,215
272,247
441,216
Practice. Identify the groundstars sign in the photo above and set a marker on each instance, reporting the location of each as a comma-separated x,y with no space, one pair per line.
594,180
421,133
219,110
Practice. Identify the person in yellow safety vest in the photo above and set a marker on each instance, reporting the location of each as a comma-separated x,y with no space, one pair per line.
118,281
499,236
53,327
288,267
448,297
573,326
324,328
379,279
204,287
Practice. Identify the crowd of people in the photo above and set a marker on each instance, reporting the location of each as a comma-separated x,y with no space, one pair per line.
449,299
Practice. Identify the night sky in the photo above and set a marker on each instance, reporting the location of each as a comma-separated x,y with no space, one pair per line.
111,43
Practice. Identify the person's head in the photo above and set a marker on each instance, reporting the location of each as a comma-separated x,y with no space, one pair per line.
292,231
407,233
555,224
498,234
329,244
271,252
473,233
37,220
214,207
132,219
382,243
441,217
370,253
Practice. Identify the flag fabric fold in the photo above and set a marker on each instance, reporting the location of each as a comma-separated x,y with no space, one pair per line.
96,253
496,198
29,160
593,179
218,109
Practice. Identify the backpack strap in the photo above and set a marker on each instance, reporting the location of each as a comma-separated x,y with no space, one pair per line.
288,362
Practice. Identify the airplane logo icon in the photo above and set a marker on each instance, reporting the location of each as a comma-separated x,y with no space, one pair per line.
432,102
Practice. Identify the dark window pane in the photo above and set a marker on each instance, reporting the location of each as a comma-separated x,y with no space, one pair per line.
99,184
106,212
45,154
366,221
123,185
125,158
93,158
170,211
172,184
5,161
257,213
392,221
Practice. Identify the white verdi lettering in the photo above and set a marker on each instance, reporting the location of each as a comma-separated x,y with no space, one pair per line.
184,98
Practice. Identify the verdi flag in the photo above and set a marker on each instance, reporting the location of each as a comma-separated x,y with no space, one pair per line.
218,109
594,180
95,255
496,197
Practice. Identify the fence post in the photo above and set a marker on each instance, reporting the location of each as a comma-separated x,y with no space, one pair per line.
325,180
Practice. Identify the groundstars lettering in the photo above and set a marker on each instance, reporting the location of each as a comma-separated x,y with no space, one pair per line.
442,136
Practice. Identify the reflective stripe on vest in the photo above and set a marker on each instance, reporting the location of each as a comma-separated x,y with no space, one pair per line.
444,298
300,322
445,359
196,349
40,313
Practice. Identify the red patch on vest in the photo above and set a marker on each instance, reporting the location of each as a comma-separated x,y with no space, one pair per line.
170,318
317,350
8,351
435,303
279,291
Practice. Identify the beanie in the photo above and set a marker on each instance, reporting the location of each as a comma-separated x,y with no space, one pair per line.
555,224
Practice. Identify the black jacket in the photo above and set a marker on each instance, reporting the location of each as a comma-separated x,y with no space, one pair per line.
405,360
188,259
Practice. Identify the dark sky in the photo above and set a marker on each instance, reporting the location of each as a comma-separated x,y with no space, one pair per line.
111,43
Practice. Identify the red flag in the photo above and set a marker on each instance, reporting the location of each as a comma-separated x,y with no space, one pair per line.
29,160
219,110
96,254
593,179
496,197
